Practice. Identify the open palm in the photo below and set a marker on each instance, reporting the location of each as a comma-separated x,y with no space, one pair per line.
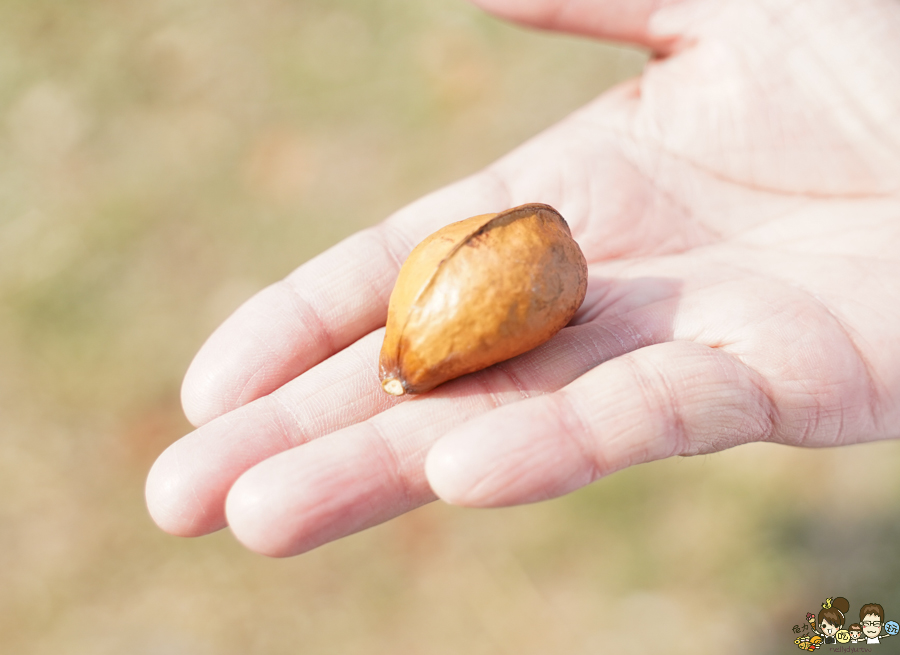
739,206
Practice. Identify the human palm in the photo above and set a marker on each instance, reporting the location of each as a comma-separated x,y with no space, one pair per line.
739,206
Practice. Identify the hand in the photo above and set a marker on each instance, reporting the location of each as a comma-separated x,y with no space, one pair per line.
739,206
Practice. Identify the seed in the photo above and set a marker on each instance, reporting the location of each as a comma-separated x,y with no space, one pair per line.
479,292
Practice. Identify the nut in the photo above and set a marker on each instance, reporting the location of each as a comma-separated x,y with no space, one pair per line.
478,292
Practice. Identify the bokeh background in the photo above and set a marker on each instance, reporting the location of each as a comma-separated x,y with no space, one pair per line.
162,160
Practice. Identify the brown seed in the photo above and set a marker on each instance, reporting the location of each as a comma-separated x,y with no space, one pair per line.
478,292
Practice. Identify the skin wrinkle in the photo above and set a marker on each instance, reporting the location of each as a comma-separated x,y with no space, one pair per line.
382,236
323,335
584,352
644,143
591,314
624,345
488,388
839,435
814,411
578,432
597,350
257,371
587,189
701,235
512,164
625,266
772,412
596,130
395,468
602,354
332,400
228,419
272,417
503,369
588,196
852,100
497,475
243,397
874,405
490,482
738,236
873,392
752,427
860,259
387,236
639,339
684,214
597,299
810,422
319,425
669,403
368,361
734,237
761,80
600,308
290,434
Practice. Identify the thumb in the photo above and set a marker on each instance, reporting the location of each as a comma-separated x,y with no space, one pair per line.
619,20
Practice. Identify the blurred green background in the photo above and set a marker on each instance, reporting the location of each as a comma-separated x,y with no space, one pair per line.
160,161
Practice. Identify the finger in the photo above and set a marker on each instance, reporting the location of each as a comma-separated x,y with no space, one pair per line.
619,20
187,486
668,399
372,471
188,483
322,307
365,474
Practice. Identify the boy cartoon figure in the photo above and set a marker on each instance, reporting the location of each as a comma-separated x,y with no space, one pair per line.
871,617
831,618
855,633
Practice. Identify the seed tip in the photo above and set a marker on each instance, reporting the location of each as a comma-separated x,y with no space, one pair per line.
393,386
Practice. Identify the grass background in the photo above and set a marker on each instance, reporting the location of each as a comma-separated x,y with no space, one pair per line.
160,161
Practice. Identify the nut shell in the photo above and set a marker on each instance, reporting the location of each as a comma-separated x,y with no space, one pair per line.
478,292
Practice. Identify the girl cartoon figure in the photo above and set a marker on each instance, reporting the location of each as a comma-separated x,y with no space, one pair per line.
855,633
831,618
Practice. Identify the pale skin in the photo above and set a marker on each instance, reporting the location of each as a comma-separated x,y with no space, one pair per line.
872,631
739,207
829,630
